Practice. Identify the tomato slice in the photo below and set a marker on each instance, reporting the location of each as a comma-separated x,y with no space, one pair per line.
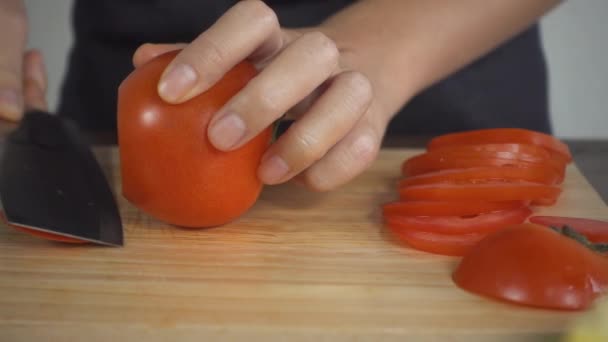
482,223
538,174
43,235
531,265
441,208
521,149
490,191
429,162
594,230
444,244
503,135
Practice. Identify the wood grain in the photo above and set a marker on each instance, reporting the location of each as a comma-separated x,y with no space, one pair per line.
299,266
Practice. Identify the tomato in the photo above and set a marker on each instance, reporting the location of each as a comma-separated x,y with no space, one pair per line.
444,244
441,208
521,149
594,230
531,265
41,234
169,168
482,223
429,162
538,174
501,136
490,191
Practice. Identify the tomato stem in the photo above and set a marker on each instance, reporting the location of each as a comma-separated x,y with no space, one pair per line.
570,232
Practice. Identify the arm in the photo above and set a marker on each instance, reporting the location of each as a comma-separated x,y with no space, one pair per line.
345,78
424,41
13,31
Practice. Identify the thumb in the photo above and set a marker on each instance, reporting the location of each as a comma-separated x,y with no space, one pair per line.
13,27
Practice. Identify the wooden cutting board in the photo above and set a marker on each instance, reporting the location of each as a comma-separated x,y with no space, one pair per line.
298,266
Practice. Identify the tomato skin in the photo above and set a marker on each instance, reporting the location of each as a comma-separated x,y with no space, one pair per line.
430,162
531,265
594,230
482,223
540,174
169,168
490,191
477,149
503,135
443,208
444,244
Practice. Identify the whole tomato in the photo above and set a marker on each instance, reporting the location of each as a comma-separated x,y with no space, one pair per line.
169,168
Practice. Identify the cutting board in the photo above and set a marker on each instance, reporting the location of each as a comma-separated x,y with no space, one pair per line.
298,266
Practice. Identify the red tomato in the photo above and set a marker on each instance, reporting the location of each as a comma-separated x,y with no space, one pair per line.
501,136
490,191
440,208
531,265
41,234
537,174
482,223
169,168
522,149
429,162
594,230
444,244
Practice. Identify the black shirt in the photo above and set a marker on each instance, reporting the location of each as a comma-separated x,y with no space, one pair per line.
506,88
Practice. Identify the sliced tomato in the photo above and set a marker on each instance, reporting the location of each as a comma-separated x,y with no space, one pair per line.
544,202
452,245
41,234
482,223
594,230
538,174
441,208
503,135
531,265
476,149
429,162
490,191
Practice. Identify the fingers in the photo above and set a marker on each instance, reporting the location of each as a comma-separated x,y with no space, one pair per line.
328,120
34,81
293,75
13,30
351,156
248,28
148,51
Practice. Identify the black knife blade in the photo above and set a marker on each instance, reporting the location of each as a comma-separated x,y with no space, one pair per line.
50,181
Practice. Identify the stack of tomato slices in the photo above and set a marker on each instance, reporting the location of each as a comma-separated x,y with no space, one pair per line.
467,185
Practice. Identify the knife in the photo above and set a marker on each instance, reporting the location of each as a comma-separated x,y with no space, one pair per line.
51,182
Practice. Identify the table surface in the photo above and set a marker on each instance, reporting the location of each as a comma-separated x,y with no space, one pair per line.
298,266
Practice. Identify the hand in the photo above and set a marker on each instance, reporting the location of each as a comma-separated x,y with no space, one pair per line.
338,128
22,76
34,81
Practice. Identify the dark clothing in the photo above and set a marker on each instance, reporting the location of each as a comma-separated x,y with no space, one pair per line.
506,88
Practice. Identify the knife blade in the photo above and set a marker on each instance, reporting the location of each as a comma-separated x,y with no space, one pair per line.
50,181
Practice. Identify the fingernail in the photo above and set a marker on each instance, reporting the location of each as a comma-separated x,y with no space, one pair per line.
10,104
273,170
177,82
226,132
